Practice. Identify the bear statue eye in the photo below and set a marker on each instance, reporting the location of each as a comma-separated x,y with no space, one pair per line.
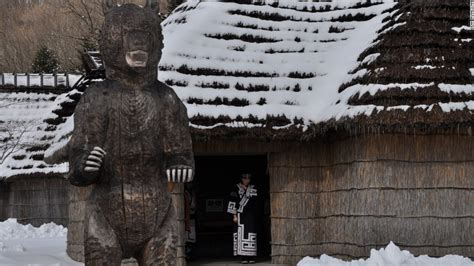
115,33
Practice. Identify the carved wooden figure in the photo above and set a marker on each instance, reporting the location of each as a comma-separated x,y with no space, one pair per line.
131,141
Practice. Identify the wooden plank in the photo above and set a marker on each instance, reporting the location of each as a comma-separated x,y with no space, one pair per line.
177,197
238,147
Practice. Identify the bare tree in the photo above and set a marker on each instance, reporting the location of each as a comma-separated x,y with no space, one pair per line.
25,28
65,26
89,18
13,132
12,139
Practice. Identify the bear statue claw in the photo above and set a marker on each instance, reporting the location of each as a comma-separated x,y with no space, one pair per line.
94,160
179,174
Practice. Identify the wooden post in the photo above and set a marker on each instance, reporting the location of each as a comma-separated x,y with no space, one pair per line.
14,79
3,79
41,80
28,80
178,203
55,80
67,80
78,197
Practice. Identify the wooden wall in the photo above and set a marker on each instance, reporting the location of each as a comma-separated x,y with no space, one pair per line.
340,198
347,197
34,200
3,200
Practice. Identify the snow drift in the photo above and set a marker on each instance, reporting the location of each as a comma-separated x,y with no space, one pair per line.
389,256
28,245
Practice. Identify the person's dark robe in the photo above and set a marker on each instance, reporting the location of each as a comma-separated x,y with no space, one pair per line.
243,203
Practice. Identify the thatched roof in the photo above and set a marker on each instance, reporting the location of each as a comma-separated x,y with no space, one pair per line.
419,73
30,119
298,71
267,70
301,70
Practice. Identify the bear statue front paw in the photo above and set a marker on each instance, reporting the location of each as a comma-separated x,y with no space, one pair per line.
94,160
179,174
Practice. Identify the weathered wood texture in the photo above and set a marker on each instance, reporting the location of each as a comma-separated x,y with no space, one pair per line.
77,200
78,197
34,200
3,200
178,203
346,197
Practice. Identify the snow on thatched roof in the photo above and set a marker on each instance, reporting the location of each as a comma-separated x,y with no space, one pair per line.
420,70
293,70
266,67
29,119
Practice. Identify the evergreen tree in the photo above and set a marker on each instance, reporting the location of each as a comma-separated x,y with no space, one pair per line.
45,61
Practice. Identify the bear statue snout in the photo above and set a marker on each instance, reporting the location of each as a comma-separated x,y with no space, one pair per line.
138,44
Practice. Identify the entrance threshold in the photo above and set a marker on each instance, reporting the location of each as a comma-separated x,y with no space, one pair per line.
217,262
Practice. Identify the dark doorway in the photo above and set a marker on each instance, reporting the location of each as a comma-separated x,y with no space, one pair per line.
215,177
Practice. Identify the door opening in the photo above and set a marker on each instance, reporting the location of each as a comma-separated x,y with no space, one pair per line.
216,177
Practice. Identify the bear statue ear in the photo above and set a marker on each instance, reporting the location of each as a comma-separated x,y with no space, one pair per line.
107,5
153,5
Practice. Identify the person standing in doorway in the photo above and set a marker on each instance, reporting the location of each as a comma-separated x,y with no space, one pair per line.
243,206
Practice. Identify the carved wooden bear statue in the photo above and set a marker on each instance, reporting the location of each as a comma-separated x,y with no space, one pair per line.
131,141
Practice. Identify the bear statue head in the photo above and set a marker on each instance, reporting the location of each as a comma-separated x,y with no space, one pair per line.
131,41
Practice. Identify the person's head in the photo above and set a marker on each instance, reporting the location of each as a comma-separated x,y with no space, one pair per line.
245,179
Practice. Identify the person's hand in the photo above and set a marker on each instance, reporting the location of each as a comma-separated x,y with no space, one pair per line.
94,160
235,219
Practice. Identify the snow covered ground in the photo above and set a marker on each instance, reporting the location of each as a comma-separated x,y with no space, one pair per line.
389,256
46,245
33,246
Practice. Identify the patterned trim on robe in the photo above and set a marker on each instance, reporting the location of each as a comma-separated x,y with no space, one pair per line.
245,195
231,208
244,246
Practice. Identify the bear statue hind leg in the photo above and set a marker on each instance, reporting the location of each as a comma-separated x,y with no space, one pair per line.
101,246
161,249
